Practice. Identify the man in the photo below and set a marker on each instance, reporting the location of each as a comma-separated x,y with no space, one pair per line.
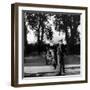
55,56
50,57
61,58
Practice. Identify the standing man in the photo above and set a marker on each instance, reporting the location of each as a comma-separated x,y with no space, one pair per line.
55,56
61,58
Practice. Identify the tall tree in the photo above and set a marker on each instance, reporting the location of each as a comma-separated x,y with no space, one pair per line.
63,21
74,23
37,22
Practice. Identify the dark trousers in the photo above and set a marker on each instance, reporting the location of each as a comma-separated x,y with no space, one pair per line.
62,66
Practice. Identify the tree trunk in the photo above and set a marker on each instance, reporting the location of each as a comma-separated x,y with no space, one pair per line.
25,39
67,40
42,35
72,38
38,40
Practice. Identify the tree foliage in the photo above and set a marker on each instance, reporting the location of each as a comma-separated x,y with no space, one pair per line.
63,21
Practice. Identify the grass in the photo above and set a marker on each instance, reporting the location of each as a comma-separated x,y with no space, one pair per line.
39,60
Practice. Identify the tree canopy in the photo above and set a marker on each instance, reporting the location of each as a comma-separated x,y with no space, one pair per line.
66,22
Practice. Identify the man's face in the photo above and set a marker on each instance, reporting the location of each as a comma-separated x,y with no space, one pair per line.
59,43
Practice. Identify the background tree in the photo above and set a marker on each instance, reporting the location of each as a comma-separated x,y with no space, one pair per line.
74,23
37,22
65,21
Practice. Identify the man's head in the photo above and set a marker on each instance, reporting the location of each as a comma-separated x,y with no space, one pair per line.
60,42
